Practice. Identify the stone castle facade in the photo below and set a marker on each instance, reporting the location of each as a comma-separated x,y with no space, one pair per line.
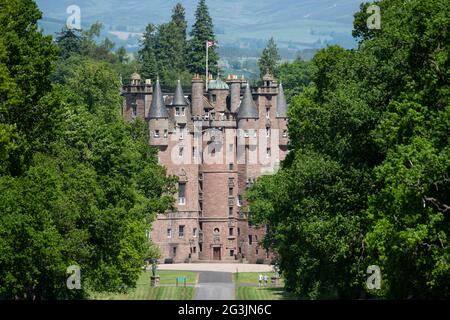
218,141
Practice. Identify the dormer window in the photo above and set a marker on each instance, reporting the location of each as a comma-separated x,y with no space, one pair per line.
183,113
177,112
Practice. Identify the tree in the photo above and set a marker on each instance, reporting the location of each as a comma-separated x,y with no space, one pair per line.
26,63
295,77
268,62
366,182
179,48
122,55
78,185
202,31
147,53
69,42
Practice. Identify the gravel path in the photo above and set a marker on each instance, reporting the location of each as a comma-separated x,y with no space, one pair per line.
218,267
215,286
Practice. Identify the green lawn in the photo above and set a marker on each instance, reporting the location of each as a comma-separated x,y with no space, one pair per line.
144,291
250,290
252,277
256,293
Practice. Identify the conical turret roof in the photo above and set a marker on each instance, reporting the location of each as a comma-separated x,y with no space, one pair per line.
282,106
158,107
178,98
247,110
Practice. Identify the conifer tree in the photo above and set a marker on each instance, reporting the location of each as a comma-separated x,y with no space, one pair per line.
268,62
202,31
147,54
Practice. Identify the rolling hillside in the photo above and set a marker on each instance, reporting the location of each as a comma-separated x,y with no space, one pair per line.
239,23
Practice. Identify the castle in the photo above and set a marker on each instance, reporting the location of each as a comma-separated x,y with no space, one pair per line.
218,140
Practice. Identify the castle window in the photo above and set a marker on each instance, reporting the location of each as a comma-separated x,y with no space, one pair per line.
246,133
174,251
177,112
257,251
181,231
239,201
183,113
267,113
194,249
169,233
200,247
180,152
134,108
230,166
231,253
250,239
182,194
165,133
230,232
230,191
268,132
284,133
156,134
194,232
230,211
268,152
239,232
214,98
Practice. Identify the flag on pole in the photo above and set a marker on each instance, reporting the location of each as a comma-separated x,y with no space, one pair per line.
211,43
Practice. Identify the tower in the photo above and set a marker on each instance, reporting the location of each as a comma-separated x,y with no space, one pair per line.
282,109
158,118
197,96
235,92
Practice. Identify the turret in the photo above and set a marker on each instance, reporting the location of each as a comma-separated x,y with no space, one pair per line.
197,96
247,109
282,108
247,117
235,92
135,79
158,118
218,92
179,105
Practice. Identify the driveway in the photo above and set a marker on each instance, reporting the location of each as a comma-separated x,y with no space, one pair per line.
215,286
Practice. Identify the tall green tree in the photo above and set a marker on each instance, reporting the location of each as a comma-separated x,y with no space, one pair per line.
26,63
69,42
147,53
269,60
78,185
202,31
295,77
366,182
179,34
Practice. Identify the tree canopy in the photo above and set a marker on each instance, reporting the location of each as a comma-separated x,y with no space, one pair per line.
78,185
366,181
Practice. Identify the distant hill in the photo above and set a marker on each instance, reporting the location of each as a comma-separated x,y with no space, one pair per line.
300,24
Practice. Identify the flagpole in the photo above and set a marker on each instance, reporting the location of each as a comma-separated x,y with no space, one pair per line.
207,75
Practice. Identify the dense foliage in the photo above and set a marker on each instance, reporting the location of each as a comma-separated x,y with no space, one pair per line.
78,185
168,54
367,180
